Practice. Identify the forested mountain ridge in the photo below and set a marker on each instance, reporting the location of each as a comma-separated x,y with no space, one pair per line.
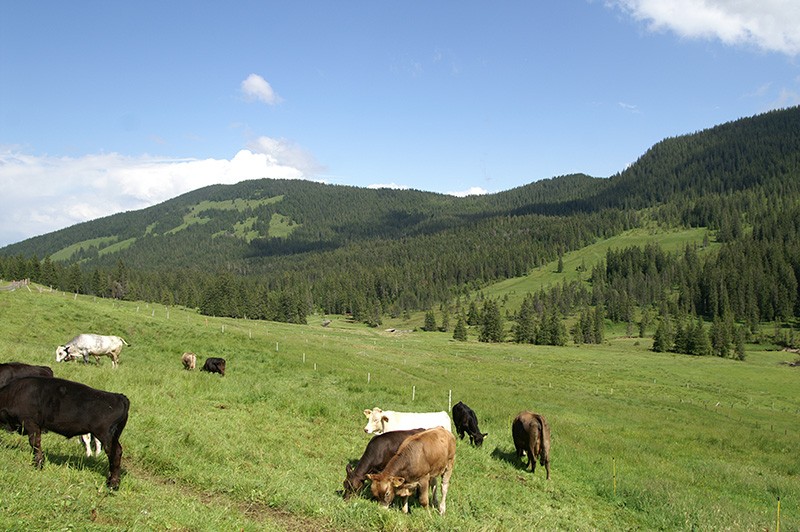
281,249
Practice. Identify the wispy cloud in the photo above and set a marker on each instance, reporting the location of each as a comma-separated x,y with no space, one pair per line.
256,88
771,25
42,194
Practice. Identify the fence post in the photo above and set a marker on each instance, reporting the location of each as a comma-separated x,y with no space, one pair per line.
614,473
413,392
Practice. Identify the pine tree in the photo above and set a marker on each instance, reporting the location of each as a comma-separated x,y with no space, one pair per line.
430,321
460,331
491,329
662,339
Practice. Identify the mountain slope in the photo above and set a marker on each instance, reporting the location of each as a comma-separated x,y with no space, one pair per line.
296,246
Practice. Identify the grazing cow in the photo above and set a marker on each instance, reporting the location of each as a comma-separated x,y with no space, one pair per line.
532,437
15,370
214,365
416,464
96,345
31,405
379,451
465,420
189,360
380,421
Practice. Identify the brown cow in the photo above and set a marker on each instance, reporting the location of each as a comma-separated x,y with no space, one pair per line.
532,437
189,360
419,460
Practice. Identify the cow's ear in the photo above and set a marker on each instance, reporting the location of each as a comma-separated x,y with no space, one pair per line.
367,412
385,419
348,468
397,481
485,434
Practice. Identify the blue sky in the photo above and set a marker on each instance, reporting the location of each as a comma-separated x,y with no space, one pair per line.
114,106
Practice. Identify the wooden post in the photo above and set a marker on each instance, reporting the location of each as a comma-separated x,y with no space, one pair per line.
413,392
778,521
614,473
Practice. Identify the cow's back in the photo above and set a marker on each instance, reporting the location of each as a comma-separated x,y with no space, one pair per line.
16,370
427,453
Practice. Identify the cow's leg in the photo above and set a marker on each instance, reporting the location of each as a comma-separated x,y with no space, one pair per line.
423,493
97,447
433,490
35,439
445,484
114,452
87,442
405,504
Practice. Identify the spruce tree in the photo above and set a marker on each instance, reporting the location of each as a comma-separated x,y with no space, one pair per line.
460,332
492,323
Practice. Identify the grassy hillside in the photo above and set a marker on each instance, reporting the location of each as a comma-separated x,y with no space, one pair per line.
577,265
697,443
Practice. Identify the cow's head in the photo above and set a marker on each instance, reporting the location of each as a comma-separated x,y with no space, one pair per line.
384,489
351,483
62,353
375,420
479,438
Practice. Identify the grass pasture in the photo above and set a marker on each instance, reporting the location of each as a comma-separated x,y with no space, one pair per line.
696,443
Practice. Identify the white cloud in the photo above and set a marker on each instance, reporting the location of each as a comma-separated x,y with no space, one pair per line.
286,153
472,191
42,194
257,88
771,25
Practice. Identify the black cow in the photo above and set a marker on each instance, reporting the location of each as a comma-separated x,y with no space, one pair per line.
31,405
466,421
16,370
379,451
214,365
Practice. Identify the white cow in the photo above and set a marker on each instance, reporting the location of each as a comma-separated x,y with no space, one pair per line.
96,345
380,421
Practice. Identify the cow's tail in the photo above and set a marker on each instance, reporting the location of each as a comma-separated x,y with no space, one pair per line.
123,341
544,434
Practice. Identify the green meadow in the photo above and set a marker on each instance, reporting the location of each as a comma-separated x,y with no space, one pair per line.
640,440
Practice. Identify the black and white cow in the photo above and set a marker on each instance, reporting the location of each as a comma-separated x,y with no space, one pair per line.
466,421
214,365
96,345
31,405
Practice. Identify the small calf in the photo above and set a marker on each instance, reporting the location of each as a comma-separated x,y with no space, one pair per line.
416,464
189,360
377,454
214,365
466,421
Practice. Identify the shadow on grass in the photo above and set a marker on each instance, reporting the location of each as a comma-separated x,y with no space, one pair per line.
510,457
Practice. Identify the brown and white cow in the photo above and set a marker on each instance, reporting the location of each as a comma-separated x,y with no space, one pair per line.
420,459
380,421
531,435
189,360
32,405
96,345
